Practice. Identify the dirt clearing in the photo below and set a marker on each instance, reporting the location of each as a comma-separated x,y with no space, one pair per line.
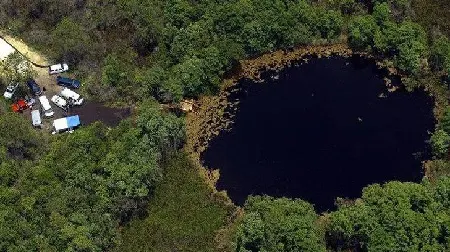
89,111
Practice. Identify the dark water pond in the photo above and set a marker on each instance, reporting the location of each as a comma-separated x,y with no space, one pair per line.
321,131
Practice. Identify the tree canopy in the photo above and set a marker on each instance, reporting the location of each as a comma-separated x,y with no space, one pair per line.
404,41
83,185
280,224
395,217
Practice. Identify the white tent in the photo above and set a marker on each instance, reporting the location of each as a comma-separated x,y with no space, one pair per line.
5,49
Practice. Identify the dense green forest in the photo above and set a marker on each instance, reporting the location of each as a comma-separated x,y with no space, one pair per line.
131,188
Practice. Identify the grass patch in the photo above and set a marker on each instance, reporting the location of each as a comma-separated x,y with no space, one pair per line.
181,214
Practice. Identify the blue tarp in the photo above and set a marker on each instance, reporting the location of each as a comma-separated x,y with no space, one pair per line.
73,121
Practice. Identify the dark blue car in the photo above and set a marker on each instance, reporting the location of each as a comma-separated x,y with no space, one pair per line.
67,82
34,87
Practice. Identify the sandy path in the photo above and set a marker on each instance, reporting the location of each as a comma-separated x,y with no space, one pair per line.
42,76
46,81
24,49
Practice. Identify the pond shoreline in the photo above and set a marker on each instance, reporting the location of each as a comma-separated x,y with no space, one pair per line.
210,117
214,114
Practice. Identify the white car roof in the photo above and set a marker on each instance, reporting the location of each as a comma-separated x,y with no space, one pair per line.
60,124
7,95
36,117
60,66
55,67
44,102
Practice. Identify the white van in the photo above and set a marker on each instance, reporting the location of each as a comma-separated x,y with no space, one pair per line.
36,118
58,68
45,106
72,96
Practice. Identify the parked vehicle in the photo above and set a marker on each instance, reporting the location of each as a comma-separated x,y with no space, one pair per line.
58,68
34,87
66,124
30,101
59,101
73,97
68,82
36,118
10,90
45,106
19,106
